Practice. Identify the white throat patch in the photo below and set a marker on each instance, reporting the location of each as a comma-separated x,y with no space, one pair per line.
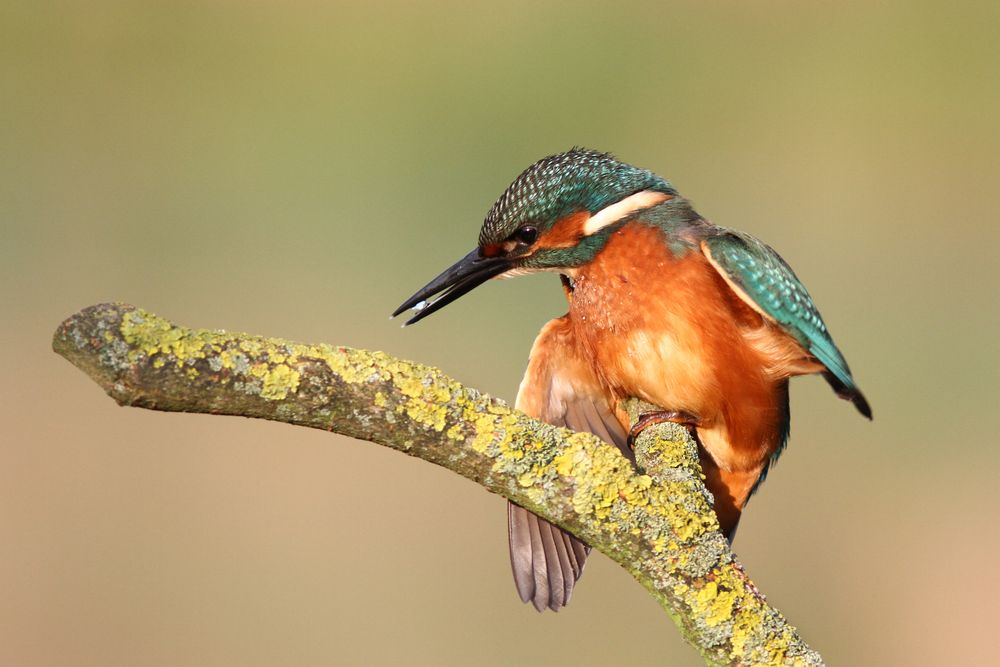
611,214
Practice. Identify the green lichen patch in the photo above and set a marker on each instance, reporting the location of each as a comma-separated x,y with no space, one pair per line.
610,491
262,367
278,381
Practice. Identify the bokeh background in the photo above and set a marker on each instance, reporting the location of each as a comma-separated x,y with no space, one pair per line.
298,168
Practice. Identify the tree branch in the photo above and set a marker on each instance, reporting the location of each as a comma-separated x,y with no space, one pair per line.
658,525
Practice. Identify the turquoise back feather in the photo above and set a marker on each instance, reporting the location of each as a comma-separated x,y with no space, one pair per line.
769,282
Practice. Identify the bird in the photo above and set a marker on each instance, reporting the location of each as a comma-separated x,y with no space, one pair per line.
707,323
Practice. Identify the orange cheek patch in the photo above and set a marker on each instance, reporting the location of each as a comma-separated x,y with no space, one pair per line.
491,250
566,232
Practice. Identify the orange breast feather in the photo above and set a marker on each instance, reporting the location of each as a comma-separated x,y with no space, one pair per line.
668,329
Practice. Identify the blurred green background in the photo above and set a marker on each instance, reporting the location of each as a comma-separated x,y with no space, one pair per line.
298,168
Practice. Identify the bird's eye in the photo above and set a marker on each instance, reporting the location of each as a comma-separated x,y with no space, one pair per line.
526,235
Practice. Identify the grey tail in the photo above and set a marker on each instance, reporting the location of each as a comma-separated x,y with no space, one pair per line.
546,561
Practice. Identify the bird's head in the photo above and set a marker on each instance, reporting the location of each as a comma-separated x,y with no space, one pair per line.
555,216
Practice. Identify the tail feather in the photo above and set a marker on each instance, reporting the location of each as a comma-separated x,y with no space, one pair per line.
560,388
546,561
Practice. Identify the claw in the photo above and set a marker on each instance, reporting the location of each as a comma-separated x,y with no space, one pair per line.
648,419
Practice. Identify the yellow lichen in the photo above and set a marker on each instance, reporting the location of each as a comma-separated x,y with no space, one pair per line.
278,382
162,342
352,367
714,605
746,628
408,385
427,413
485,433
252,346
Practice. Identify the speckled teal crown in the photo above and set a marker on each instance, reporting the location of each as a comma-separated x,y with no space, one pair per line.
577,180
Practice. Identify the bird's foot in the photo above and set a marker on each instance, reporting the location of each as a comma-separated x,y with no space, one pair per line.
648,419
738,566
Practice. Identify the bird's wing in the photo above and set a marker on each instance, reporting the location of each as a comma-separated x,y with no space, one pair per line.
560,389
763,280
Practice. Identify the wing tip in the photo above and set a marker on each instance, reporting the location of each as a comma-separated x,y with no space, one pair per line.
849,392
861,403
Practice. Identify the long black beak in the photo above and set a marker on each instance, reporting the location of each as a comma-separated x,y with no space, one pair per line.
464,276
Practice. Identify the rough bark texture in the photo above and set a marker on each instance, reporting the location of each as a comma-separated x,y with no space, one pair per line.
659,525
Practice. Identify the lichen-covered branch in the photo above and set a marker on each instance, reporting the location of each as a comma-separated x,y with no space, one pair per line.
658,524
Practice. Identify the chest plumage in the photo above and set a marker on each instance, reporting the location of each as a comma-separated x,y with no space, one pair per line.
657,321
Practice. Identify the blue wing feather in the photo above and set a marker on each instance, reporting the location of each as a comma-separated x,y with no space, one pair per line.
765,278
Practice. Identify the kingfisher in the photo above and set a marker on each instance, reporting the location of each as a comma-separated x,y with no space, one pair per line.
706,323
